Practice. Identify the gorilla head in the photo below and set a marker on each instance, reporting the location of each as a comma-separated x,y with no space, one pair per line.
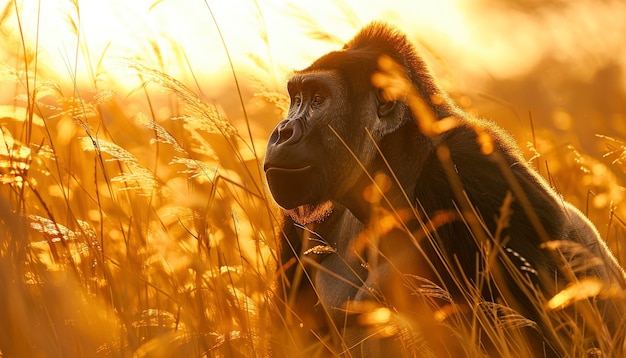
322,151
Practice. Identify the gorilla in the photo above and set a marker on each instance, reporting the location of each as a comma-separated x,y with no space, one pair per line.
413,228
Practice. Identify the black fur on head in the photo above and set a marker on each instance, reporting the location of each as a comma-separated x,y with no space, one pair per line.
361,55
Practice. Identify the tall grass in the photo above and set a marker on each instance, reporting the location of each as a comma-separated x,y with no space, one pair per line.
129,232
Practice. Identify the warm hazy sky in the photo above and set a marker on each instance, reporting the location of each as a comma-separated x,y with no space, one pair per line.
475,39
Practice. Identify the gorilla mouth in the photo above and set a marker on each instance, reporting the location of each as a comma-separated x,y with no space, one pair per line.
287,170
291,187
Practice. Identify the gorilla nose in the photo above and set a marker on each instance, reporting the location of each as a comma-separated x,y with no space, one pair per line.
288,131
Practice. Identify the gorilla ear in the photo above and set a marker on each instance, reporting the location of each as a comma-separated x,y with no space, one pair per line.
384,106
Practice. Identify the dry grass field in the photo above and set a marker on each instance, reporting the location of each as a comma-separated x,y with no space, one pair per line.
134,218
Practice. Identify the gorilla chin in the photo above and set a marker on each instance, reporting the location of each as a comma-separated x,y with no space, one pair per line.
291,189
309,214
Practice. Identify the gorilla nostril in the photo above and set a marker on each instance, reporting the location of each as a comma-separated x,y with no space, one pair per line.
284,134
288,132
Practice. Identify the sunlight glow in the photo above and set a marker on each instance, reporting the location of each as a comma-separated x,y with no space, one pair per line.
85,38
583,289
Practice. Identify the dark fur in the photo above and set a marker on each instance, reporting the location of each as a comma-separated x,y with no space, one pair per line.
453,252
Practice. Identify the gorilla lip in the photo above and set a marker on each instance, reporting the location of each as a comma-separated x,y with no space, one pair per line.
287,185
287,170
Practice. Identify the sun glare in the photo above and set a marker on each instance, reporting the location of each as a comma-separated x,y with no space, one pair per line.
83,39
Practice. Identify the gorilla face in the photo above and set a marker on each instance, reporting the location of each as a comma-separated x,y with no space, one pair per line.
298,152
319,151
322,152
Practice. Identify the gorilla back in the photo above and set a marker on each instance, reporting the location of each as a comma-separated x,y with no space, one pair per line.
414,228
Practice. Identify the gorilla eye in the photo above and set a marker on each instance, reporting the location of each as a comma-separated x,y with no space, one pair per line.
297,99
317,100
